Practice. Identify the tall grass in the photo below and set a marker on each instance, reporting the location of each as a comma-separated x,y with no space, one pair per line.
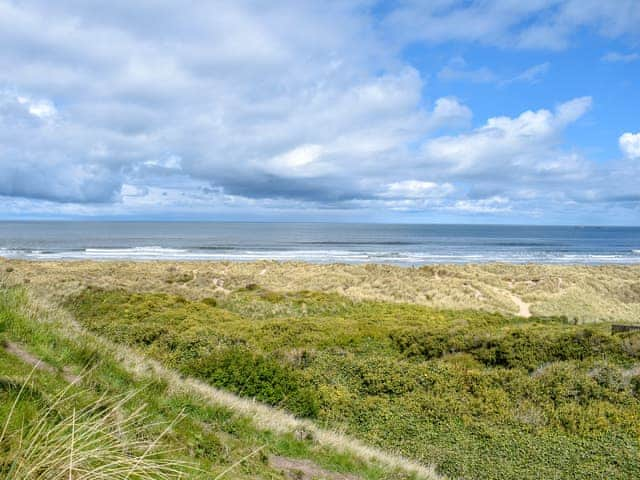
98,441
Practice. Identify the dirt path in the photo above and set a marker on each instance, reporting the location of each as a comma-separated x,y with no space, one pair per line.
19,351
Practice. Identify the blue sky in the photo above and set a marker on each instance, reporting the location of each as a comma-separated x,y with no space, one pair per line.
493,111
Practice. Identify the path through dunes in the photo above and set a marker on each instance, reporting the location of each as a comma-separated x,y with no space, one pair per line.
523,308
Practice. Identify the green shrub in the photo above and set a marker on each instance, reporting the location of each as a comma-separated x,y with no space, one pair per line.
253,375
527,346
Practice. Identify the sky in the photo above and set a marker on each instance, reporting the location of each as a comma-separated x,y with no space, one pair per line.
441,111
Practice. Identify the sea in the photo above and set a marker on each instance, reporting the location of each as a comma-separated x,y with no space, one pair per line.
407,245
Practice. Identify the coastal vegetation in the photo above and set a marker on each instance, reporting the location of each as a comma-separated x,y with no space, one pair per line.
480,392
581,293
480,395
74,405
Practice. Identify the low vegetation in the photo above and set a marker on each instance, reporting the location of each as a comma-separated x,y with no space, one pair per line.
481,395
73,405
411,360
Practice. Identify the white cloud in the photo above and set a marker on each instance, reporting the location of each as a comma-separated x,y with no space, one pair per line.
136,107
572,110
525,145
38,108
300,161
171,162
495,204
449,112
630,144
540,24
417,189
531,75
457,69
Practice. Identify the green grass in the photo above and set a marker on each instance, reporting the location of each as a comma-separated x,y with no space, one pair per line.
481,395
193,436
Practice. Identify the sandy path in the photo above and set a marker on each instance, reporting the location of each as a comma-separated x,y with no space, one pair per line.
524,310
523,307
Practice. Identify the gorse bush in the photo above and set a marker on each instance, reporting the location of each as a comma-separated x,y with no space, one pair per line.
168,330
255,375
522,346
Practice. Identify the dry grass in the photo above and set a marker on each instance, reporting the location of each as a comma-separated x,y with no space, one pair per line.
586,293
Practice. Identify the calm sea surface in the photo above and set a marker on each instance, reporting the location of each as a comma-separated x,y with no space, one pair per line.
319,242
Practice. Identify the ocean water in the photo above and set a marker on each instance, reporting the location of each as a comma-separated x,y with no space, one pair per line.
320,242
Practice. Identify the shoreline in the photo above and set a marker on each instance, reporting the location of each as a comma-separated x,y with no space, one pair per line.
370,260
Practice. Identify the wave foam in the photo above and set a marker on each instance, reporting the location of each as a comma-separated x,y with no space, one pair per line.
145,253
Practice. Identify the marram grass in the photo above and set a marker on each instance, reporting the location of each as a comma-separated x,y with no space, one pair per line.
96,442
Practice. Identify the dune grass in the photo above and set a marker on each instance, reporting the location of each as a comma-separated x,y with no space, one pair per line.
97,442
585,293
481,395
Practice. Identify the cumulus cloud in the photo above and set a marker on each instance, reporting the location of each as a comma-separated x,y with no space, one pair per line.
450,112
630,144
525,146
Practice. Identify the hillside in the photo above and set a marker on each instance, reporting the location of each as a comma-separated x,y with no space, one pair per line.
135,419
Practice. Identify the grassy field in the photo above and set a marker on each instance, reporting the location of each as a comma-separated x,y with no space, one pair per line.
402,359
480,395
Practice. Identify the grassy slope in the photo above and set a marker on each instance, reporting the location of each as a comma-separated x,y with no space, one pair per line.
481,395
209,436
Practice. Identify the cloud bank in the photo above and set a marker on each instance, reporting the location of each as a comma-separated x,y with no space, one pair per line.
150,107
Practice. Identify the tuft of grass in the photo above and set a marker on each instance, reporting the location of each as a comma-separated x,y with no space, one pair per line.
96,442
